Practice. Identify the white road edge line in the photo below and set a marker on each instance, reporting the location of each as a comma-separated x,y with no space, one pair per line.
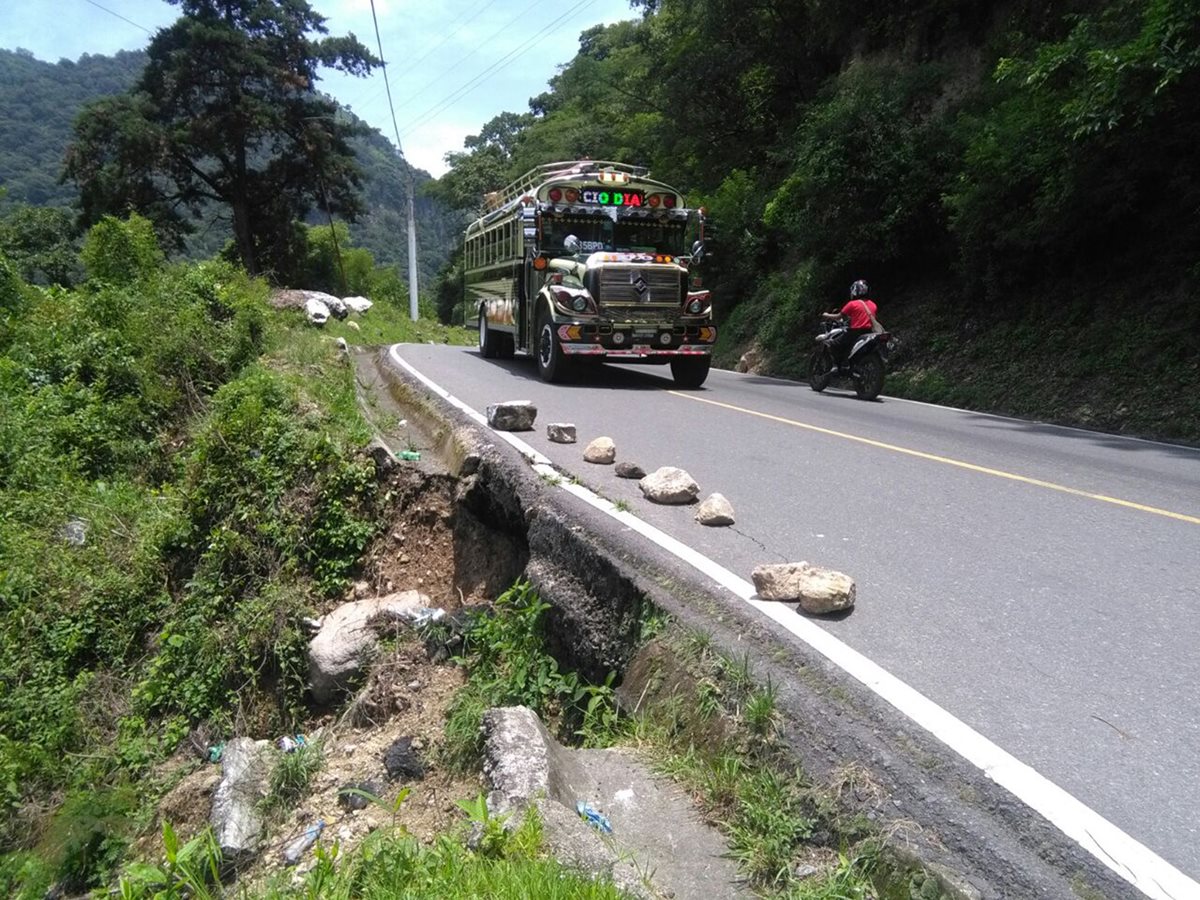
1132,860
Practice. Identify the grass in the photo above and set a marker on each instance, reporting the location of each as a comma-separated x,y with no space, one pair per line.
713,731
508,664
385,323
293,774
505,863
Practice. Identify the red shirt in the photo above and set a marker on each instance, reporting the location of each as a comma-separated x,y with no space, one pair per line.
856,310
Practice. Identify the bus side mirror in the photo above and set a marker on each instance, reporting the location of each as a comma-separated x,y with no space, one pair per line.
571,244
697,251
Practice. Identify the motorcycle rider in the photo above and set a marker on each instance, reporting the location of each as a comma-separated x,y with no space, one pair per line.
858,311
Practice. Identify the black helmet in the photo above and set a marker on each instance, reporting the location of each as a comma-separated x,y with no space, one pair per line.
859,289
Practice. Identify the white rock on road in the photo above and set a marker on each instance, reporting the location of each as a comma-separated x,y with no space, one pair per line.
669,485
601,451
715,510
818,590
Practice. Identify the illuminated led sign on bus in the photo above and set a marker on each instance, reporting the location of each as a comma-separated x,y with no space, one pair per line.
614,198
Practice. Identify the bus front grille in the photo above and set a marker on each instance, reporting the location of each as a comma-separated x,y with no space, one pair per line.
639,286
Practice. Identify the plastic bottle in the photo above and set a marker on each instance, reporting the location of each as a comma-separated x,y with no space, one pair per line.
297,848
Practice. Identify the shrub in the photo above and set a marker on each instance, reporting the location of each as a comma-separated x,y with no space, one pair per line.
121,251
865,176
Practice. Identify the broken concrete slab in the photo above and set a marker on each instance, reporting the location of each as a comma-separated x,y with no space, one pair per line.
655,828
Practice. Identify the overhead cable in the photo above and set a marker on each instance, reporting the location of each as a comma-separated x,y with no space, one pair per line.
504,61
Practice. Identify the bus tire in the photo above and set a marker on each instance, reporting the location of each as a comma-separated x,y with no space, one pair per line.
489,341
508,346
552,363
690,371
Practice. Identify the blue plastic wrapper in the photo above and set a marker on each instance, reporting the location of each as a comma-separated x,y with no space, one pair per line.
593,816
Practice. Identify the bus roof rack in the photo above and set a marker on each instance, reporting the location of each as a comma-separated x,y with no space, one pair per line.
531,179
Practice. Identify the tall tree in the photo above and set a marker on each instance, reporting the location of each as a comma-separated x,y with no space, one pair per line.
226,111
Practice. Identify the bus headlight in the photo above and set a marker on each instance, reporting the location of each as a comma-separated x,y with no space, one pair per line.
579,304
698,302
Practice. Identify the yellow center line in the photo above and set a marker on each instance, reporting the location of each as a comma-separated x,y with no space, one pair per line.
933,457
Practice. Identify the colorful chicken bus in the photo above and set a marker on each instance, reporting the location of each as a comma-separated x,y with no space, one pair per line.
588,260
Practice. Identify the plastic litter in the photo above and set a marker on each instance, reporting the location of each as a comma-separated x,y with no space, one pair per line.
424,615
410,455
290,744
215,752
593,816
297,848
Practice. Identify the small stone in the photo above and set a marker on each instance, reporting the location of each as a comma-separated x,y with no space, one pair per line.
349,796
715,510
361,590
669,484
511,415
806,871
560,433
601,451
75,532
401,760
630,470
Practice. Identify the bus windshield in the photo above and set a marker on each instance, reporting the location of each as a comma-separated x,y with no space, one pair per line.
601,233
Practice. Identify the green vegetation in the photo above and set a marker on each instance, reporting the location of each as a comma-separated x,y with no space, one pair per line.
216,117
712,727
38,105
506,863
179,486
508,665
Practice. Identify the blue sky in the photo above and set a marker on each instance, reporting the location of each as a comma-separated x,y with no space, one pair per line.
452,64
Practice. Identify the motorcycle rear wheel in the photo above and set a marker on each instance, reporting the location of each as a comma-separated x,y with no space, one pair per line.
820,369
868,377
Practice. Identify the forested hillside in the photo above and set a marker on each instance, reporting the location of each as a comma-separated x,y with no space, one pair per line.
39,102
1018,181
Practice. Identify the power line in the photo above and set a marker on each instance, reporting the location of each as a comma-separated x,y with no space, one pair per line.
453,66
386,85
453,97
467,18
413,310
121,17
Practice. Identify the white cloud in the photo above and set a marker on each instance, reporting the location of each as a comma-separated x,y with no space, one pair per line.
427,146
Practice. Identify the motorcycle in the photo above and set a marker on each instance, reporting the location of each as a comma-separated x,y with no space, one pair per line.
864,365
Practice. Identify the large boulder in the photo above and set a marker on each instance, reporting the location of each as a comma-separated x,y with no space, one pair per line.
669,485
715,510
347,638
817,590
601,451
236,817
511,415
357,304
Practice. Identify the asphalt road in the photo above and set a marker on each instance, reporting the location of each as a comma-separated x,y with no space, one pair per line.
1042,584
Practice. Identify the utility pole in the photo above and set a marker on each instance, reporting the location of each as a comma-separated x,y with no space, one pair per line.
412,248
412,182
